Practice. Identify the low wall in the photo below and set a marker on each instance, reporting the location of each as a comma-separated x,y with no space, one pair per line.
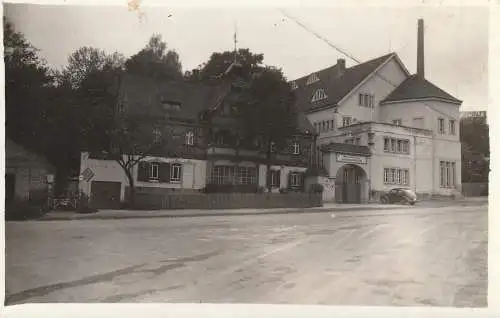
475,189
213,201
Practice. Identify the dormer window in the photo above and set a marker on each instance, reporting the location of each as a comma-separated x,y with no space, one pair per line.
295,148
319,94
313,78
346,121
294,85
189,138
156,136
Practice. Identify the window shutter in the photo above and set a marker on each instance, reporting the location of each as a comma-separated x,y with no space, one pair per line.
302,181
164,172
143,172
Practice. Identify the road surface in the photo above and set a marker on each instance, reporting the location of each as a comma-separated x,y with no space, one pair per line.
416,256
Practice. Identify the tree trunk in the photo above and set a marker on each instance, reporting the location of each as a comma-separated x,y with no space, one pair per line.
131,194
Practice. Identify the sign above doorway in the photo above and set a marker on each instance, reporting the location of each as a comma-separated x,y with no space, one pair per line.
351,159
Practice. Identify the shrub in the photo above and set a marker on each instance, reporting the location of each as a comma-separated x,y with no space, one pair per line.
317,188
261,189
24,210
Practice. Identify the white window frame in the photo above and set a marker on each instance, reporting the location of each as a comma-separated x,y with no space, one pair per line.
295,148
447,174
154,171
274,179
441,128
348,120
157,135
318,95
397,146
273,146
397,122
397,176
332,124
387,144
313,78
189,138
452,126
176,172
295,179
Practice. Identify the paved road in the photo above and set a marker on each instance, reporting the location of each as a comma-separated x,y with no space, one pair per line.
415,256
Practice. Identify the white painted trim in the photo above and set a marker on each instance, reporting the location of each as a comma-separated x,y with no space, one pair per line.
420,100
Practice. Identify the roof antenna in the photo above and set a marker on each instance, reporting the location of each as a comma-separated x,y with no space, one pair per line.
235,40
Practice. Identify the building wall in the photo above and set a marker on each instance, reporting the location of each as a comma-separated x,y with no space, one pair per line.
285,170
389,76
193,174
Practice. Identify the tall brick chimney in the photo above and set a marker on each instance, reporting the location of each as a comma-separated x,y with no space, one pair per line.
420,49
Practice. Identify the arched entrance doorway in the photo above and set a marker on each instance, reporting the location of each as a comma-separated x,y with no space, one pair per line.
351,185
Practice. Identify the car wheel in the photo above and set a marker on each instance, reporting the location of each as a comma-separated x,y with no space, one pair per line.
384,200
412,203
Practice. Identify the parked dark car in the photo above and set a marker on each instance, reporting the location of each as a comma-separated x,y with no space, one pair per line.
399,195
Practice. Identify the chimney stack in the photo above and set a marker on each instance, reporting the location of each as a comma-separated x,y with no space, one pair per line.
341,66
420,49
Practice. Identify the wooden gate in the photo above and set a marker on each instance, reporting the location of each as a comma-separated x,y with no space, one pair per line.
105,194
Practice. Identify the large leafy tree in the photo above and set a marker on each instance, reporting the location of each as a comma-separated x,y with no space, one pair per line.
155,61
267,110
474,135
27,85
89,60
219,63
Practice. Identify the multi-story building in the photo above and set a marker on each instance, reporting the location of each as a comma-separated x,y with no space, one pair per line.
381,127
204,149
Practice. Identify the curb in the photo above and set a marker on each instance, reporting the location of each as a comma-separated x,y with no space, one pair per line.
201,214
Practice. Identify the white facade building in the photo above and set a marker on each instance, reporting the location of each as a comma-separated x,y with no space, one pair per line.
380,128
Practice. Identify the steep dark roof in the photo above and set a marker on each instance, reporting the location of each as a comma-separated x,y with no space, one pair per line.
416,87
145,96
335,83
347,148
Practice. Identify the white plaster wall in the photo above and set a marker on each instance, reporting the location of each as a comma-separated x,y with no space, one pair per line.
375,85
193,174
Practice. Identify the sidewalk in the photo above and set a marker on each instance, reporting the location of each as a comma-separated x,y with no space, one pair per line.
327,207
139,214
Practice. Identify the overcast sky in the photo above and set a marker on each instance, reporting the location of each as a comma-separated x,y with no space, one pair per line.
456,38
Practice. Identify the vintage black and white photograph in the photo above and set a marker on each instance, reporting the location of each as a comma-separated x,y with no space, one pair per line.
257,155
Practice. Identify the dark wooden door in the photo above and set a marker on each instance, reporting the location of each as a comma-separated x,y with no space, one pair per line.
105,194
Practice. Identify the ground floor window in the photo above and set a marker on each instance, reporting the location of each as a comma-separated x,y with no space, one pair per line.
295,179
176,173
275,178
233,175
447,171
396,176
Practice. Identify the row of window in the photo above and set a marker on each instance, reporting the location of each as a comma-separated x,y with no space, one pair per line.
188,137
451,126
366,100
353,141
325,125
248,176
448,174
159,172
395,145
396,176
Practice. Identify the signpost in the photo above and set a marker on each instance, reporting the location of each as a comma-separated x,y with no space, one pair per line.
87,174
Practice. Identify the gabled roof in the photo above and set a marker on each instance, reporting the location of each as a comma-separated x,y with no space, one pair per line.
347,149
145,96
416,87
336,83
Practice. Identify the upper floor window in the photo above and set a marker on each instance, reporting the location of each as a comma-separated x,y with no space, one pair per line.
395,145
398,122
294,85
319,94
169,105
313,78
273,146
190,138
332,124
295,148
366,100
156,135
452,127
346,121
441,125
